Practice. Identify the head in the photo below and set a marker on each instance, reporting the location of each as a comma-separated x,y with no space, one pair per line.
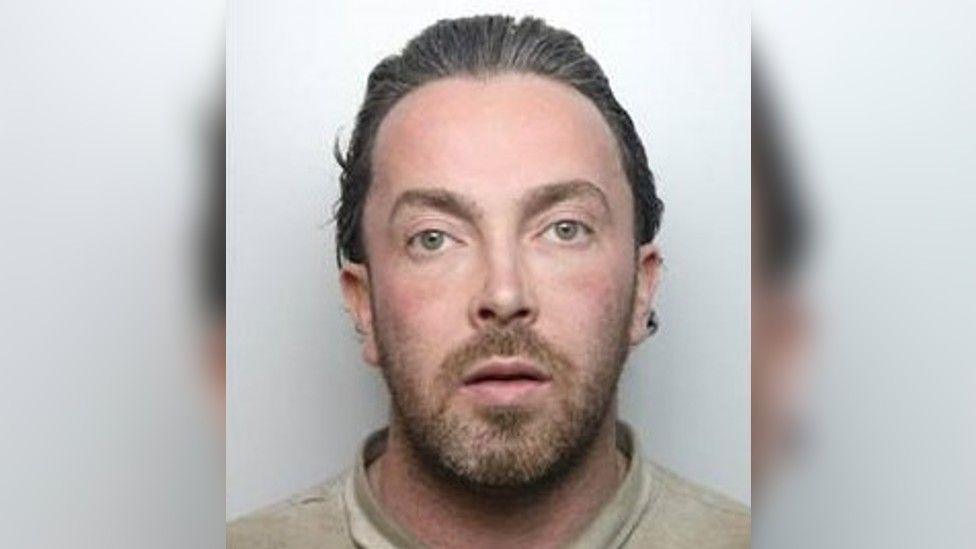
778,323
212,250
495,232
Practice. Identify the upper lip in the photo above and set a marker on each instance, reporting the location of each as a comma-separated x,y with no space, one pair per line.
503,370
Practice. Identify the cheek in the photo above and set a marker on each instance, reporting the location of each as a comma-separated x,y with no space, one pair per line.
584,298
423,315
421,299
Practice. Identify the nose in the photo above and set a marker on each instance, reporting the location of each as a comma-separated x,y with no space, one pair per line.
506,296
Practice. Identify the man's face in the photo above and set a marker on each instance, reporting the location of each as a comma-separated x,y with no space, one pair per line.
503,290
778,346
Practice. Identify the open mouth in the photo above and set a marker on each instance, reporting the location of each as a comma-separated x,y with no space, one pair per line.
497,376
504,382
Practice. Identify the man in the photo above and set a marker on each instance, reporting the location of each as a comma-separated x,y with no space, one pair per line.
779,330
213,255
495,232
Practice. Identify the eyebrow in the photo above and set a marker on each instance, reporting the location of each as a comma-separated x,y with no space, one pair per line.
537,201
543,198
437,199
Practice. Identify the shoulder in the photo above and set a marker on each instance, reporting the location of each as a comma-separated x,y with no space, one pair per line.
312,518
681,513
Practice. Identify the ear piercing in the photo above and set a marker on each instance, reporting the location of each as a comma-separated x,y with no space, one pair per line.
652,324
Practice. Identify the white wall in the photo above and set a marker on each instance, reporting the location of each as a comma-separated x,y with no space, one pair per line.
299,398
104,413
877,96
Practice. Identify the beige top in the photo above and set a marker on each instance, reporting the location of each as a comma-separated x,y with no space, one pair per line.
653,507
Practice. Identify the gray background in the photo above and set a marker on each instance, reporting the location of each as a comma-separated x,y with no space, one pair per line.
877,98
299,398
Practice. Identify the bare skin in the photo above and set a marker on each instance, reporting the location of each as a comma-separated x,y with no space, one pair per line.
496,202
779,342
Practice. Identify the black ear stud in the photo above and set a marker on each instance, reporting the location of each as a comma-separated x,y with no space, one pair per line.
652,322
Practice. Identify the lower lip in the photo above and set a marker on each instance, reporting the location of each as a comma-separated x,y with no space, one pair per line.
501,393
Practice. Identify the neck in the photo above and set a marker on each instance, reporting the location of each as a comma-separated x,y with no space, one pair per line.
441,514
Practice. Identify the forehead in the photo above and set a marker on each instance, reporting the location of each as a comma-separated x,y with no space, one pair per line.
501,135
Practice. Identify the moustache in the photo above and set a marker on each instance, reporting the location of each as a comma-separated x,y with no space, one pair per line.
512,341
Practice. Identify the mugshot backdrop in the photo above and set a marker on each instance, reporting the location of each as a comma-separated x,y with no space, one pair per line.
299,398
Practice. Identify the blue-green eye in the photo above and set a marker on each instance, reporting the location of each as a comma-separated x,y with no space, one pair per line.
430,240
568,230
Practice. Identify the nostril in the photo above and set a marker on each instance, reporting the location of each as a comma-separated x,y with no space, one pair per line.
486,314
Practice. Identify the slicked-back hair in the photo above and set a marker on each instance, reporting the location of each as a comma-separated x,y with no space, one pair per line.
778,204
480,47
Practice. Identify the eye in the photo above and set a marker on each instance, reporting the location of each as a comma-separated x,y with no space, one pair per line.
568,230
430,240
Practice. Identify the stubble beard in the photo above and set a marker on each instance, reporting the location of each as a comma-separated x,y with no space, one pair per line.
514,449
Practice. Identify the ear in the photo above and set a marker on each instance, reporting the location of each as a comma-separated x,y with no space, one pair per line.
354,280
649,266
